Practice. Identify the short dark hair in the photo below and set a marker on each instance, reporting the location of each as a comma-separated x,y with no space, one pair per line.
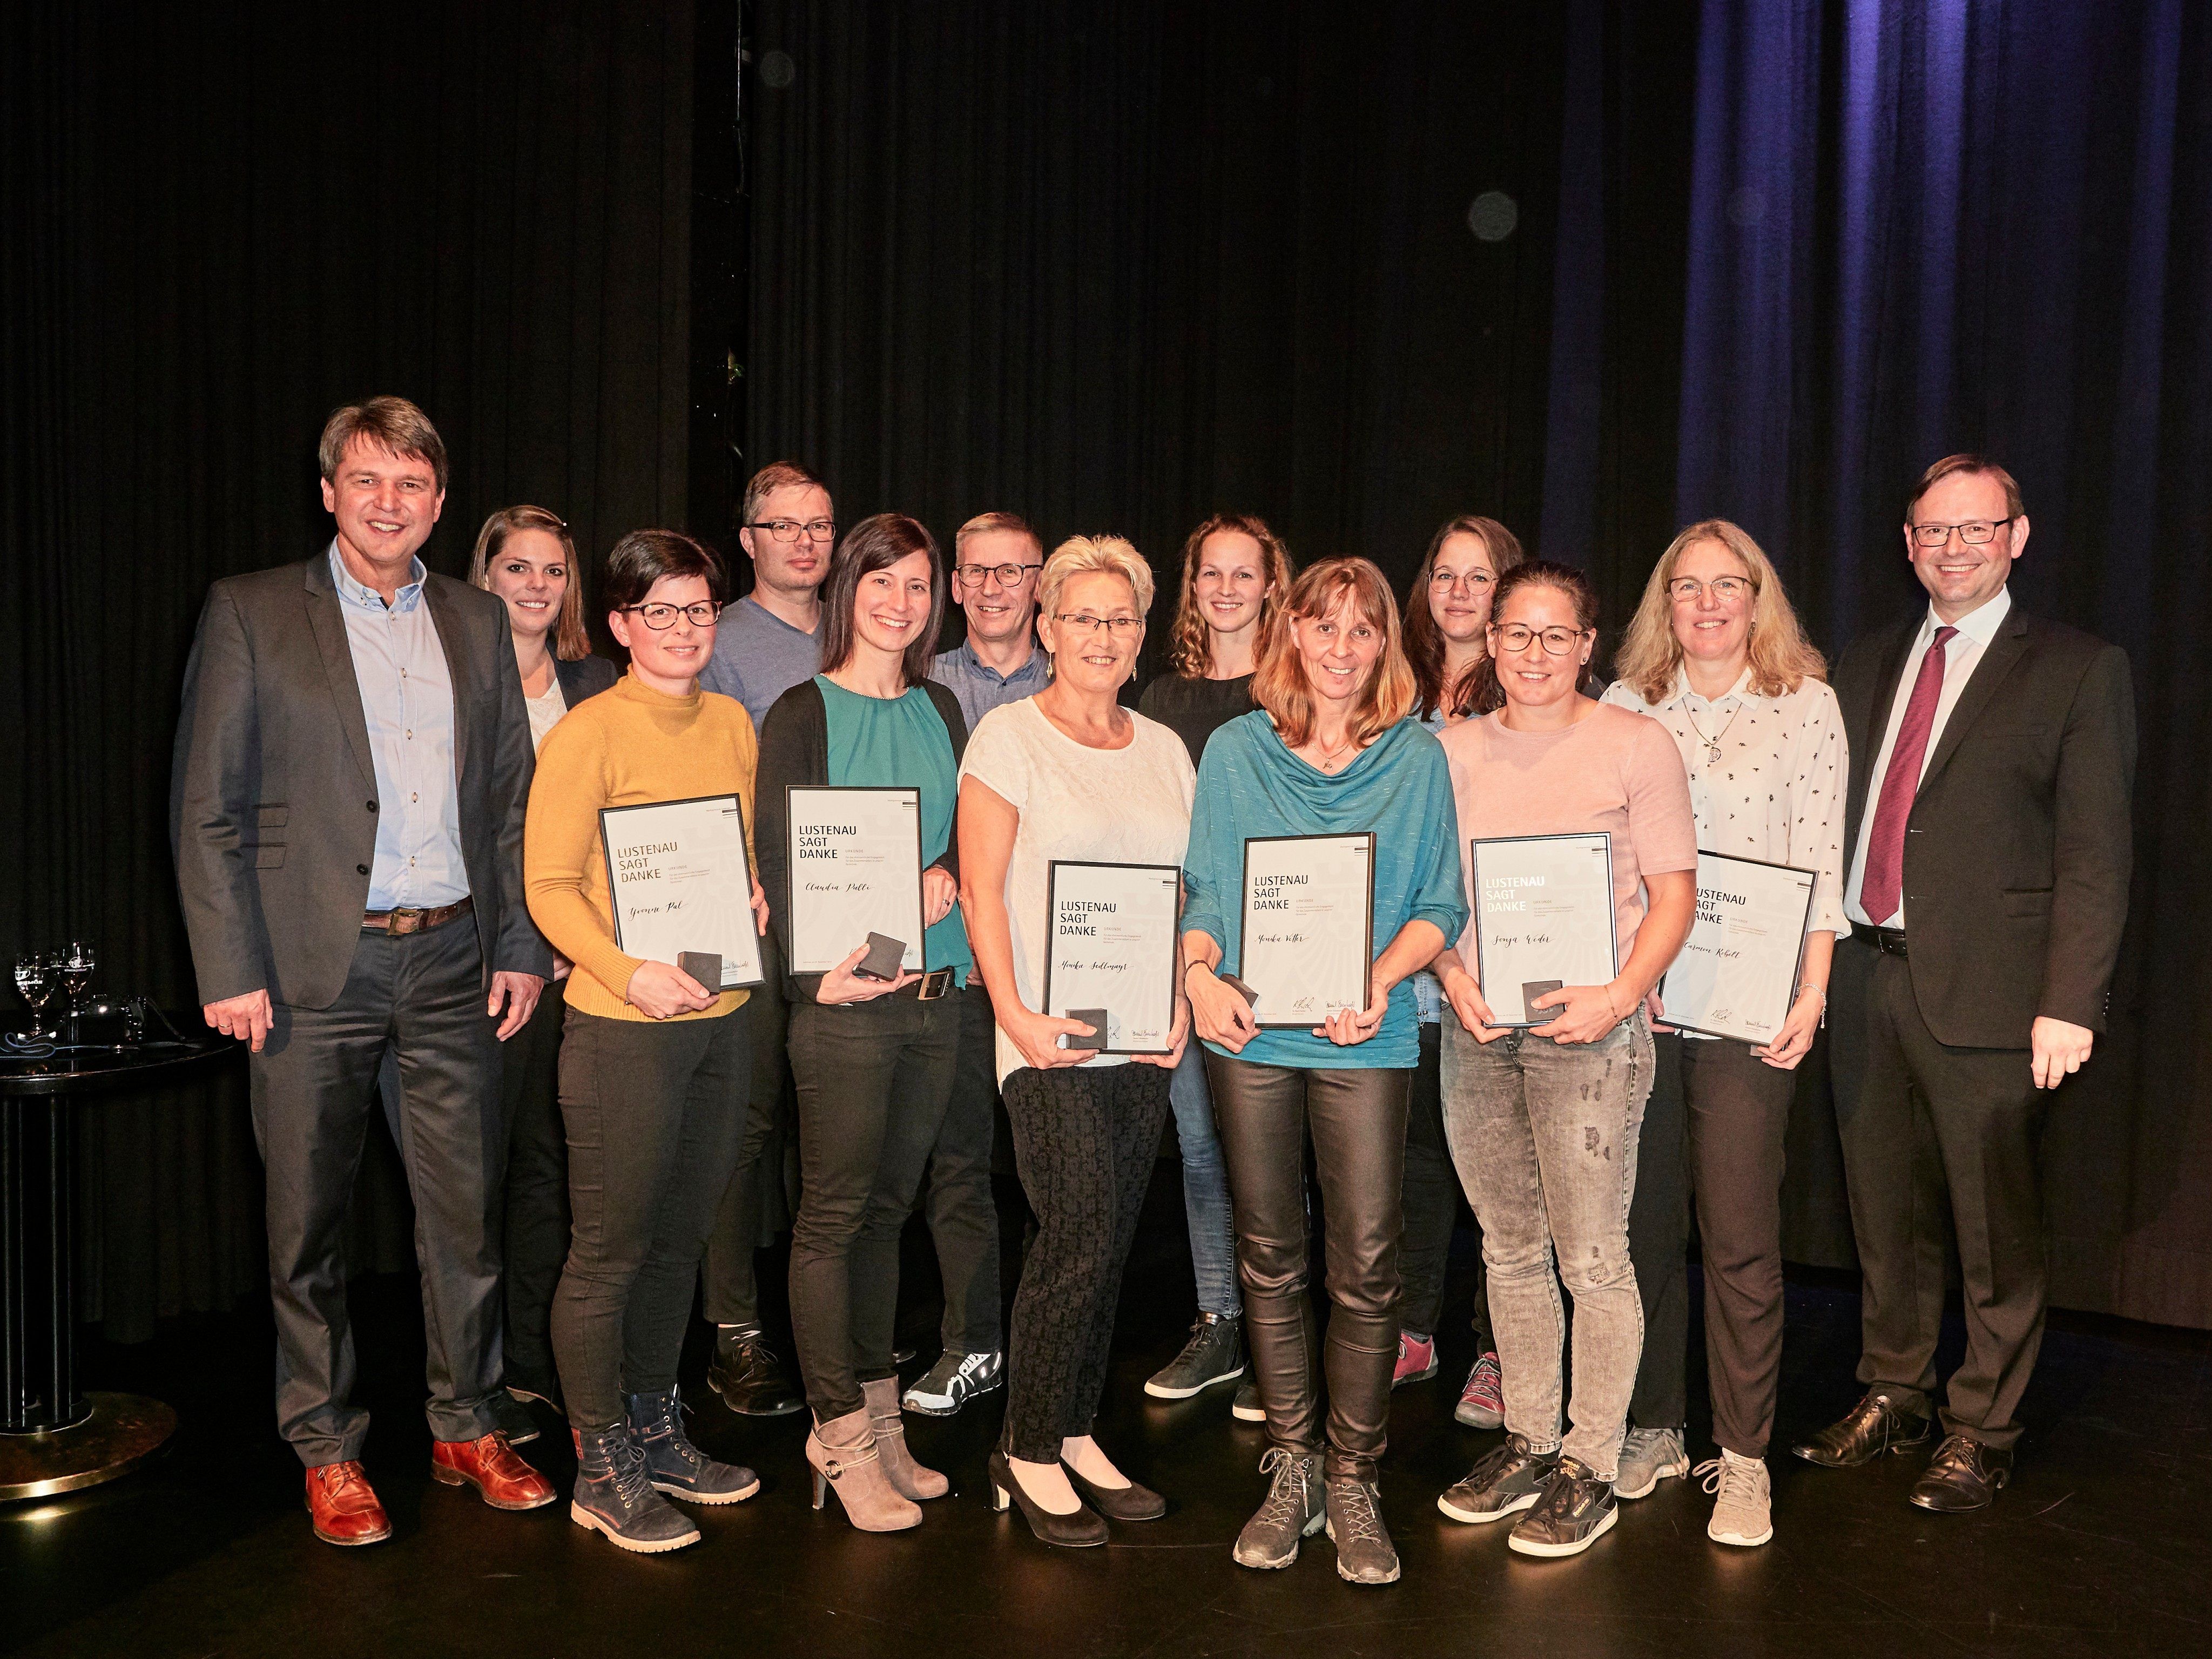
877,544
644,556
778,475
1966,462
1484,691
391,424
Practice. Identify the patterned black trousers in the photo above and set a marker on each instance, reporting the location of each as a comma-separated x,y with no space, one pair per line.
1085,1140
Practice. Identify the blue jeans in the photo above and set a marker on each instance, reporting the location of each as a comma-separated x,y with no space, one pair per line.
1204,1187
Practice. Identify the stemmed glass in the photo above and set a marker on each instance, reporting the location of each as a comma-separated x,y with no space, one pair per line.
76,965
34,978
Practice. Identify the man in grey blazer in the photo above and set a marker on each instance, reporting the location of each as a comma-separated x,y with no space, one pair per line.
352,765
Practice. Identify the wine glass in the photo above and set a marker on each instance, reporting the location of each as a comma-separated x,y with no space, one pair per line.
34,979
76,965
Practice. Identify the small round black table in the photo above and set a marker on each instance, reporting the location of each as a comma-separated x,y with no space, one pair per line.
54,1438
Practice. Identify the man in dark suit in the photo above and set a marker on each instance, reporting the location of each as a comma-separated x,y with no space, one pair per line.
352,764
1992,758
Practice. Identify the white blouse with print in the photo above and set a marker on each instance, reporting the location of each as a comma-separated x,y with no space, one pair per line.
1776,793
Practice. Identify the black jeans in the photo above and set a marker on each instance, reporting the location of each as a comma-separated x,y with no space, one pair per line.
963,1217
1659,1244
1357,1121
536,1227
873,1081
1432,1208
729,1287
420,997
1085,1139
653,1110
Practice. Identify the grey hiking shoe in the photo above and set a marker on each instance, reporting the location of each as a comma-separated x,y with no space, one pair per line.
1575,1510
1508,1478
1354,1520
953,1381
676,1466
1294,1510
1743,1501
1214,1354
1647,1457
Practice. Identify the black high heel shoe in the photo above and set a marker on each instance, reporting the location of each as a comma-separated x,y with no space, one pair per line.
1129,1503
1076,1531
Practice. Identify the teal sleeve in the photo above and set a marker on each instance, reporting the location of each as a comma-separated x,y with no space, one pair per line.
1213,866
1439,895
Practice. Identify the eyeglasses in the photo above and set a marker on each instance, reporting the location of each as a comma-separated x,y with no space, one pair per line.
1557,641
1119,626
787,531
1972,532
1725,590
1008,574
660,618
1477,580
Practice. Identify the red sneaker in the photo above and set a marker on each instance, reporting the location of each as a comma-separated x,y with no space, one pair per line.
343,1506
495,1468
1417,1359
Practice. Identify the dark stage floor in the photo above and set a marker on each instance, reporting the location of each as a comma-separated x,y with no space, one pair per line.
2100,1548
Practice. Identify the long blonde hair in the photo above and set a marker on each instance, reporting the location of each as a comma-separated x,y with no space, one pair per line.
571,640
1190,642
1782,658
1279,684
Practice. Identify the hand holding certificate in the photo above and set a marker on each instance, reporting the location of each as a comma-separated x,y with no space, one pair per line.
1111,953
1737,972
855,870
679,882
1307,943
1543,921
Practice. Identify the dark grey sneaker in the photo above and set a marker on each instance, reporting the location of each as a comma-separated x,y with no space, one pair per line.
676,1466
1215,1354
1295,1509
1508,1478
614,1495
1647,1457
1246,1407
1354,1519
1575,1510
952,1381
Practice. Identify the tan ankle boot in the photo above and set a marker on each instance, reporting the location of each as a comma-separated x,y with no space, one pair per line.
845,1460
889,1425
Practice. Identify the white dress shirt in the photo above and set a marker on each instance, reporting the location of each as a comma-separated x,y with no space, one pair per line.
407,700
1962,653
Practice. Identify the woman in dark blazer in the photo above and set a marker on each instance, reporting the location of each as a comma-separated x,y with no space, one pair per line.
525,557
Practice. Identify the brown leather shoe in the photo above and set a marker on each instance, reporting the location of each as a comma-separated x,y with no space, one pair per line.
1870,1428
343,1506
494,1468
1964,1475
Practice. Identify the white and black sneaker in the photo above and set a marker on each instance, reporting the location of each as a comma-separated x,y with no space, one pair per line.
1576,1509
1215,1354
953,1381
1505,1479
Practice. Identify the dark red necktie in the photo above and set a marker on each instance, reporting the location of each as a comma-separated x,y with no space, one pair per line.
1885,861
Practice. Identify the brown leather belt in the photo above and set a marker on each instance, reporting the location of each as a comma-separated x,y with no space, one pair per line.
399,923
1890,941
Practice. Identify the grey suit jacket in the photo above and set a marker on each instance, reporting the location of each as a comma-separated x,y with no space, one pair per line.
273,796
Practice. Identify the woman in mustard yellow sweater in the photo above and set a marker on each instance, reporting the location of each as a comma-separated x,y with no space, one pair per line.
653,1069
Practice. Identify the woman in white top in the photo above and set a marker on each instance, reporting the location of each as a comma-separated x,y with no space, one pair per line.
525,557
1715,655
1068,773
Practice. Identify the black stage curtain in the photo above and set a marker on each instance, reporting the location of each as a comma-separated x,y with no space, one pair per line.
1595,268
222,221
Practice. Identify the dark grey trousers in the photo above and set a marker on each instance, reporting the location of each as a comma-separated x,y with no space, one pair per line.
653,1110
1432,1207
729,1287
963,1217
534,1228
313,1087
1928,1129
1659,1244
873,1080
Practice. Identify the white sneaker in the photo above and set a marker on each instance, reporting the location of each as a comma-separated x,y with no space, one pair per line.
1743,1512
952,1381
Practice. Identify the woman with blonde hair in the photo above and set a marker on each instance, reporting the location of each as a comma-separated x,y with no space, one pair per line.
1067,773
1330,751
1715,654
1235,574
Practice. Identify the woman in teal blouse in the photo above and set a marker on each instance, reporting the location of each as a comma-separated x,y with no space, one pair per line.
872,1060
1330,751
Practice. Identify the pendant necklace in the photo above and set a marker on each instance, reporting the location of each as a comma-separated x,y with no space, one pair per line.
1713,743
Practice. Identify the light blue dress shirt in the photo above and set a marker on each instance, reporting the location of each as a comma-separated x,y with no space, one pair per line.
407,698
982,688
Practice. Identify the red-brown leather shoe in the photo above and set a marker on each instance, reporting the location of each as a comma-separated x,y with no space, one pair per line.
343,1505
494,1468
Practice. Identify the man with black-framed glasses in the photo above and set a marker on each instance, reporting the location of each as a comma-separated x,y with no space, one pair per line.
995,560
767,643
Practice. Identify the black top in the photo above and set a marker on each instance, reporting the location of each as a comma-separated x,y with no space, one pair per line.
583,676
1195,709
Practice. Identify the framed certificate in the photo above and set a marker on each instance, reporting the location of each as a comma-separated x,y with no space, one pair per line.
855,870
1737,974
679,881
1110,948
1543,920
1308,937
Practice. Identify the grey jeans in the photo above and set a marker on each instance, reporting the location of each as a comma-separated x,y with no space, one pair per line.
1544,1138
